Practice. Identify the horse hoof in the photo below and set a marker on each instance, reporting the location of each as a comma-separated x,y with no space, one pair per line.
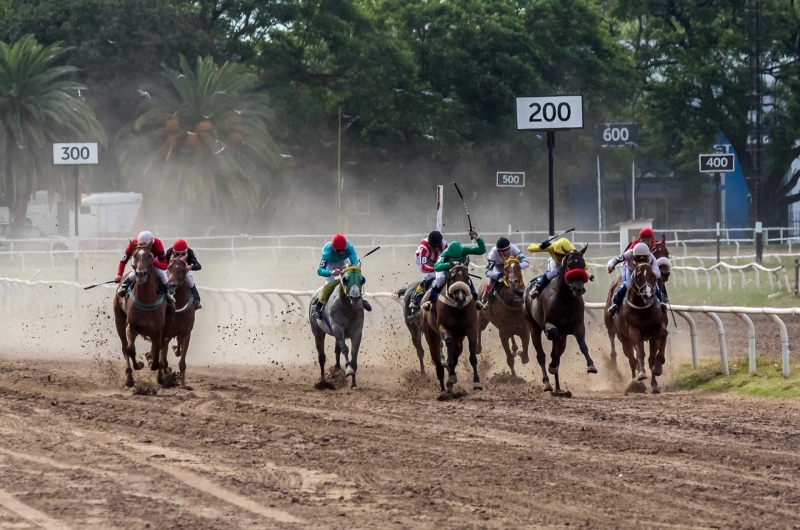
553,369
337,368
138,365
562,393
129,381
548,387
656,390
524,358
452,379
591,369
641,376
349,371
657,370
354,387
477,386
551,334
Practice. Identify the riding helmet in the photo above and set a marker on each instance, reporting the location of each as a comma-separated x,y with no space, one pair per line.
641,250
144,237
180,246
339,243
503,243
435,239
646,233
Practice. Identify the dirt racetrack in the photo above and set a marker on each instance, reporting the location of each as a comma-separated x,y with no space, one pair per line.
259,448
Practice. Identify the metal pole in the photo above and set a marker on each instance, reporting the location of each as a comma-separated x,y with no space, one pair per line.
599,200
719,209
759,123
551,143
339,173
77,199
796,277
439,206
633,187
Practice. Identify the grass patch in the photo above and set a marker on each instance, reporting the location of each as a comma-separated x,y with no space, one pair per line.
767,382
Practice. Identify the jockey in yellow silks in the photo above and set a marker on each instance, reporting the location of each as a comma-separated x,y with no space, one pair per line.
557,250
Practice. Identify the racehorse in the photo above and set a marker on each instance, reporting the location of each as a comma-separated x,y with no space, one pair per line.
640,320
342,318
507,313
183,323
558,311
661,253
412,320
143,312
453,318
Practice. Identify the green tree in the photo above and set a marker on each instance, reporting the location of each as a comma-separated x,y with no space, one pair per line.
37,108
202,140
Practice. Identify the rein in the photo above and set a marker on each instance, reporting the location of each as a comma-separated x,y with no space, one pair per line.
344,273
512,259
637,290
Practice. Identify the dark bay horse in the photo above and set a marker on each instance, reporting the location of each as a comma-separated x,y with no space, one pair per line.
342,318
453,319
639,321
507,313
183,323
412,319
559,311
144,312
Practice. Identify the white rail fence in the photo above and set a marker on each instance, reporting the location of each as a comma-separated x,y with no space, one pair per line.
273,307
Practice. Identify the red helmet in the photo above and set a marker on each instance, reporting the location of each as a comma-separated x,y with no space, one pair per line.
339,243
646,232
180,246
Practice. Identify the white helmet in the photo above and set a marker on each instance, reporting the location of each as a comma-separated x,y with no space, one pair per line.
641,250
144,237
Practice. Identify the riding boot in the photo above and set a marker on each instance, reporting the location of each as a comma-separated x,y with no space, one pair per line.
367,306
317,312
122,292
661,298
432,298
617,300
541,283
196,298
474,294
415,300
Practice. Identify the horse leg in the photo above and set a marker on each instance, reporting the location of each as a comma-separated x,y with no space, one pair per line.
416,338
611,336
541,357
451,360
121,324
504,338
550,331
580,336
555,361
355,342
435,348
627,349
660,360
653,361
525,339
473,360
338,335
183,346
319,342
638,345
338,351
514,348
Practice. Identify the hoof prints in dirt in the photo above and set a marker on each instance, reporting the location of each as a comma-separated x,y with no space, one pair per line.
636,387
506,378
335,380
144,388
455,393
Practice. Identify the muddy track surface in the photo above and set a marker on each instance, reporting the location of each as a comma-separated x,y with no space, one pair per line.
239,451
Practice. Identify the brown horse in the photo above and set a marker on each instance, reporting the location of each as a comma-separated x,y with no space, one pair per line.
183,322
144,312
640,320
453,318
661,253
507,313
558,311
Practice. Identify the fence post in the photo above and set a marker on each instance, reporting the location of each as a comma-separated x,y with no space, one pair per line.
693,333
796,277
723,348
784,344
751,341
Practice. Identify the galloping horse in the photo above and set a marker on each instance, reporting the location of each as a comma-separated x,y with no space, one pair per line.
558,311
453,318
183,323
342,318
412,320
144,312
507,313
640,320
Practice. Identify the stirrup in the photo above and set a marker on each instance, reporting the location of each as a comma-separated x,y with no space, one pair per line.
479,305
317,311
197,305
534,294
613,309
427,305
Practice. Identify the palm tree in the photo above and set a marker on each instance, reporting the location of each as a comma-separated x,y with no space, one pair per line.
37,109
203,140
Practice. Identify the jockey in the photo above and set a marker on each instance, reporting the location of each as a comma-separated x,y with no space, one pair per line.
427,253
159,264
495,263
639,254
180,250
337,255
646,236
457,253
557,250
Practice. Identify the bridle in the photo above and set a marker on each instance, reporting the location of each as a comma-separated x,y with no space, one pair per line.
511,259
350,269
641,290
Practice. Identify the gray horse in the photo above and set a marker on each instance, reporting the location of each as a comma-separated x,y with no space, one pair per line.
342,318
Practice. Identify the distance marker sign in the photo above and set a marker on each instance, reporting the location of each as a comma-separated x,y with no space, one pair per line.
510,179
617,135
716,163
74,154
549,113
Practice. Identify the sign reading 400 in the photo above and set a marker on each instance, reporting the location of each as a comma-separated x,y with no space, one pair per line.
75,153
550,113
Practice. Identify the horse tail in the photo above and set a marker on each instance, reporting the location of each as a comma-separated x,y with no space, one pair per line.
401,292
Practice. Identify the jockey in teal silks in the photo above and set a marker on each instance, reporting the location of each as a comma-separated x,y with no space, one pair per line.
336,256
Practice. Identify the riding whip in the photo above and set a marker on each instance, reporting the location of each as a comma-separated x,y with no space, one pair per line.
370,252
98,285
550,239
469,219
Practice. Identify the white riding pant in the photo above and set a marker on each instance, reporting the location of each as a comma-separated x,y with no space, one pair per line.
161,275
552,269
441,279
341,265
189,279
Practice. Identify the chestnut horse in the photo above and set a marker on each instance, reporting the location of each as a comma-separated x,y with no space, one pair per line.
453,318
558,311
144,312
507,313
183,323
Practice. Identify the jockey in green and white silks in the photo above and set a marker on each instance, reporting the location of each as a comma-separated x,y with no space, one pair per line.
495,263
456,253
337,255
639,254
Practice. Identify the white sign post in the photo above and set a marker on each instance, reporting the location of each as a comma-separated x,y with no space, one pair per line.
717,164
439,205
550,113
75,154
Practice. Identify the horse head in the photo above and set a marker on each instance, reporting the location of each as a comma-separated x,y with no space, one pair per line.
573,266
458,283
142,263
644,282
661,253
512,275
176,273
351,282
